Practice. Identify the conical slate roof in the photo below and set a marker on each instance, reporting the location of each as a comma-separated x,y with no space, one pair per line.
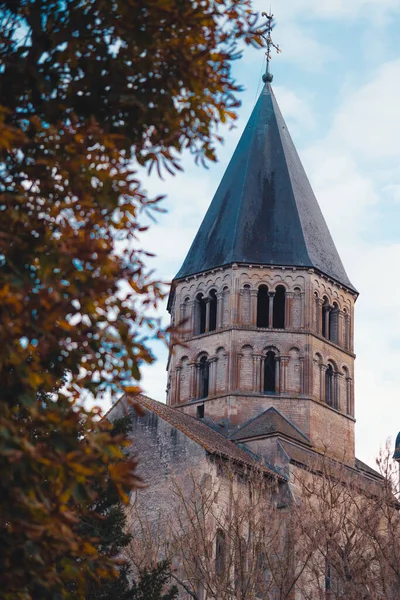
264,211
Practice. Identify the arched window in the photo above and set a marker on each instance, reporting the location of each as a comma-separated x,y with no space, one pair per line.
262,306
200,314
240,567
206,315
261,573
325,318
270,372
334,323
220,553
329,388
212,326
204,377
278,318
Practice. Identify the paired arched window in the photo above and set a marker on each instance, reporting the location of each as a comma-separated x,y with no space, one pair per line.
271,307
330,322
206,312
269,372
203,377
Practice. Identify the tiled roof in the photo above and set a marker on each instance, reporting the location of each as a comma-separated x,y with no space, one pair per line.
264,210
212,441
268,423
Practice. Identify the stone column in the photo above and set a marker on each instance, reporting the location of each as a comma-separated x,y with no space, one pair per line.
253,307
271,309
195,317
207,314
262,374
351,336
284,365
288,309
336,391
278,375
326,317
349,397
340,326
347,331
227,372
212,381
303,386
233,371
257,366
322,382
318,316
192,381
219,309
302,309
234,298
177,385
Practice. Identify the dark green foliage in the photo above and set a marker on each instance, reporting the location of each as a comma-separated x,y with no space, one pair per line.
152,583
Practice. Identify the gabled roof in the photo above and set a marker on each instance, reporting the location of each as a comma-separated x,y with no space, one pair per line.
212,441
270,422
311,459
264,211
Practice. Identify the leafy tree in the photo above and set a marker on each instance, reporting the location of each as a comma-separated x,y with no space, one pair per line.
106,524
89,89
151,584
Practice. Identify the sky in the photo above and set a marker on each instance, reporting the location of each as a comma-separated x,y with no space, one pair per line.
337,82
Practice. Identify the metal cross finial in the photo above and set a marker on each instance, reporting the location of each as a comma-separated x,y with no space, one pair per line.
270,24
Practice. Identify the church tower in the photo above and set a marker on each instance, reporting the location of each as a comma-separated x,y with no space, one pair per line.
264,302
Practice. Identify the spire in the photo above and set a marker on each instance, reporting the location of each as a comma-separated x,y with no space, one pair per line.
264,211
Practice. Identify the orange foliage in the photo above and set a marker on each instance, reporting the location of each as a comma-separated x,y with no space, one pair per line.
88,90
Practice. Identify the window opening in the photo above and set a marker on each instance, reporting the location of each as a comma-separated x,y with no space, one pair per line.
262,306
278,317
213,311
201,317
220,553
204,377
269,372
329,396
200,411
325,318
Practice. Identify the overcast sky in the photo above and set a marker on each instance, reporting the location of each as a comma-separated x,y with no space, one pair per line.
337,82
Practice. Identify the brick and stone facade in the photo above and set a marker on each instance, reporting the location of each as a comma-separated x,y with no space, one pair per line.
315,335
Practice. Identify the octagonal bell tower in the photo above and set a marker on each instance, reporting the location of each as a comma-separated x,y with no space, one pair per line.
264,304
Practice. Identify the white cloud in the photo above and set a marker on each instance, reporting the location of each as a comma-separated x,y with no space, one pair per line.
297,110
368,122
346,168
328,9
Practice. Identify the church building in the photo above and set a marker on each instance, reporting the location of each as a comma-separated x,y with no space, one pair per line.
262,367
